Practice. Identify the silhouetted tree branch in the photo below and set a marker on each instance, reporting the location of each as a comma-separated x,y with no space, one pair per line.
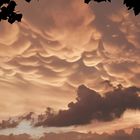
7,11
131,4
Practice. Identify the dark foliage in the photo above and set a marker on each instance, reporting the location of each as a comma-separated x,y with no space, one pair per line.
131,4
7,11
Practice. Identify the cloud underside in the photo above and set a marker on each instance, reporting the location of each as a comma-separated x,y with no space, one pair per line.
76,44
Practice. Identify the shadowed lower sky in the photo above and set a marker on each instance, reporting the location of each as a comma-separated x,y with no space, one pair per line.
62,44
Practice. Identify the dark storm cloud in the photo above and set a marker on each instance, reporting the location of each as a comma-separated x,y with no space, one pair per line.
90,105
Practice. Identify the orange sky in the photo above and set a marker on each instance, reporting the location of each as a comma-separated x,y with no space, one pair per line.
61,44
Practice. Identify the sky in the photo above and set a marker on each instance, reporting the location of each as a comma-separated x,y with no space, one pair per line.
71,57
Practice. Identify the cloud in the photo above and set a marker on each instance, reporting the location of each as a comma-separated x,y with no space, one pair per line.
117,135
14,122
90,105
57,45
62,44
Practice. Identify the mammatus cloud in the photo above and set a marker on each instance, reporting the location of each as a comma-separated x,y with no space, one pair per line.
54,51
90,105
117,135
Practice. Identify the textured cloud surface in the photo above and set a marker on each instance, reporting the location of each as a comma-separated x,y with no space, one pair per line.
62,44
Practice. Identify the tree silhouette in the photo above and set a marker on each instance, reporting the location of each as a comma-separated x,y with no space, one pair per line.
7,11
131,4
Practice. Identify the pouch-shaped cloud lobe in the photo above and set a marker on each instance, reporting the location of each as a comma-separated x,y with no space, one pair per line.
58,50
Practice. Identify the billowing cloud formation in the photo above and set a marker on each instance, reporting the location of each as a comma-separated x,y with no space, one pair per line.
118,135
63,43
90,105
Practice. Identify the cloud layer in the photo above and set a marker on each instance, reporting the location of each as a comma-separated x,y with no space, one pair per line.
90,105
62,44
118,135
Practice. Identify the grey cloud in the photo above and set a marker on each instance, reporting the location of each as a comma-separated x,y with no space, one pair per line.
90,105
